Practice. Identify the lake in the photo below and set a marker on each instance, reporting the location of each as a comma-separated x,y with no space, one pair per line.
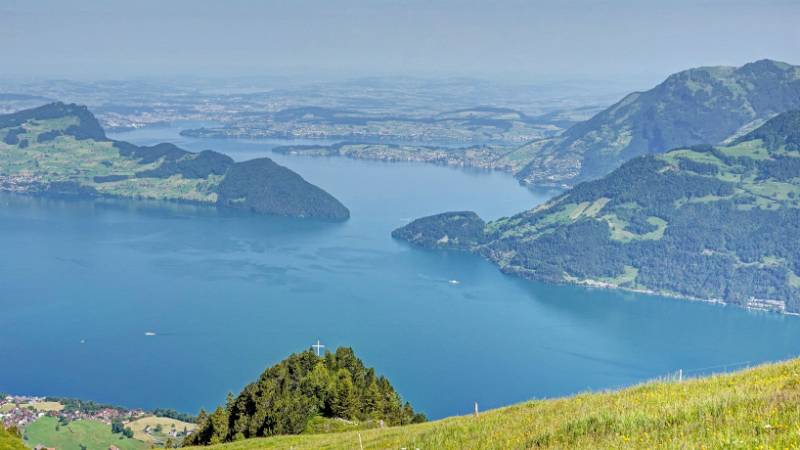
84,284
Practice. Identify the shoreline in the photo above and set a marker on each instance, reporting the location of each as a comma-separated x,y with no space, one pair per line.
594,284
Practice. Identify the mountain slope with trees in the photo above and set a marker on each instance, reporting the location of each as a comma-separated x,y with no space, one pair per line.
60,149
290,394
718,223
701,105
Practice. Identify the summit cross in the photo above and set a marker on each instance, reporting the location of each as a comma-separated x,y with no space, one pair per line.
317,347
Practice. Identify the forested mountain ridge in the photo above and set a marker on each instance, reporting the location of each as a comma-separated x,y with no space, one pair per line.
700,105
304,386
718,223
62,149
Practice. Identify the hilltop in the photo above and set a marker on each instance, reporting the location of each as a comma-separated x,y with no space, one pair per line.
61,149
702,105
716,223
306,392
756,408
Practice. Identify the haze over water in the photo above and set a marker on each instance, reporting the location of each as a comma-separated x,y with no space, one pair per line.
228,294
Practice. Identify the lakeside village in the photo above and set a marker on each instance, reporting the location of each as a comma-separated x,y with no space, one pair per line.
20,411
19,184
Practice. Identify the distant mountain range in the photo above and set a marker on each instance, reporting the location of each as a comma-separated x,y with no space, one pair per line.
718,223
703,105
61,149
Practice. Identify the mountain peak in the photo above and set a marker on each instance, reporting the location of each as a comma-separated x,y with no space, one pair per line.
695,106
762,65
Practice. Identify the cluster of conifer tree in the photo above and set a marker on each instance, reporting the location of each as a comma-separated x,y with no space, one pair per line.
289,394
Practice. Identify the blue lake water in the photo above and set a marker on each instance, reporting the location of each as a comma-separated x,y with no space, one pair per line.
229,294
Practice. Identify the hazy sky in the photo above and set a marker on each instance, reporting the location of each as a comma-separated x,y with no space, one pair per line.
523,40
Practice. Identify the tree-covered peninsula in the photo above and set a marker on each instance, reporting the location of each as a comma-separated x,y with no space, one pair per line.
60,149
718,223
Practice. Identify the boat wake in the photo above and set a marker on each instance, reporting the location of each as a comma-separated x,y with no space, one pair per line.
440,280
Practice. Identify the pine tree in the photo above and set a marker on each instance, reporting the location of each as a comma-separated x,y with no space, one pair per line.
219,426
345,402
229,402
373,403
318,385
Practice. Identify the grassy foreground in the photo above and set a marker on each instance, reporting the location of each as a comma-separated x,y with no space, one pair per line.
757,408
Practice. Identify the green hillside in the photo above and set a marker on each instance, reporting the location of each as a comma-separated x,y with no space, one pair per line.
702,105
60,149
715,223
757,408
91,434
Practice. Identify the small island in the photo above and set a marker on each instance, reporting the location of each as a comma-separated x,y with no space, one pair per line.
61,149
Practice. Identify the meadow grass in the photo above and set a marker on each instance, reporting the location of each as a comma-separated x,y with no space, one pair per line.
702,157
94,435
749,149
627,277
756,408
138,426
619,233
45,406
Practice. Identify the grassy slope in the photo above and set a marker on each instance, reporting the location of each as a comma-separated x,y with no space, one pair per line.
166,423
93,434
757,408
